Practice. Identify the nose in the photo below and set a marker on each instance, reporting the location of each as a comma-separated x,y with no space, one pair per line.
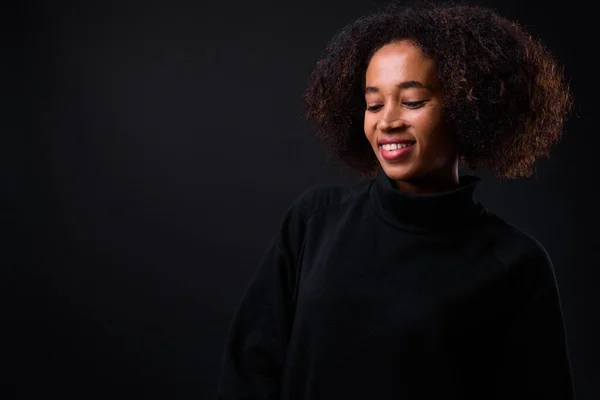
391,120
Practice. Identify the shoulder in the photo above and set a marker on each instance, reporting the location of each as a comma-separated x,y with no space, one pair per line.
321,197
519,251
317,198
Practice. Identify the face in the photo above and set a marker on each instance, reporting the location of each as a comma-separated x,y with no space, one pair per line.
404,103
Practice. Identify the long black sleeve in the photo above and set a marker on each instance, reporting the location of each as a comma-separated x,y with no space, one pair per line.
536,362
256,343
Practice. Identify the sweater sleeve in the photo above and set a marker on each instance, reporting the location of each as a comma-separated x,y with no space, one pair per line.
256,343
535,363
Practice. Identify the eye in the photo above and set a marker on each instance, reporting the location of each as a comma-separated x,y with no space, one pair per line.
374,108
414,104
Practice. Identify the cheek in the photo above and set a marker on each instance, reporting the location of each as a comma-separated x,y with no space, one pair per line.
430,125
438,144
369,125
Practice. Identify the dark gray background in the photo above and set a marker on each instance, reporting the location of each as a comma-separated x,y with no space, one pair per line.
149,150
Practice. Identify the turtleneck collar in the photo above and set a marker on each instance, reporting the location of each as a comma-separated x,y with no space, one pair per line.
444,211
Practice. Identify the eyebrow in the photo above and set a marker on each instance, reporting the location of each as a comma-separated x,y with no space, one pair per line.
402,85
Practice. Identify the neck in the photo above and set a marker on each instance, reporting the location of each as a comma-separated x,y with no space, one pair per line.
430,184
441,211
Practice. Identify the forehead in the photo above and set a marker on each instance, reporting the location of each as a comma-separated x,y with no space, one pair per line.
400,61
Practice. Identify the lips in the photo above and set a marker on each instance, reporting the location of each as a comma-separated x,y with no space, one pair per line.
397,154
397,141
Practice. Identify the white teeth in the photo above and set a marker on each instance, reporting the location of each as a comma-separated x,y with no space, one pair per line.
395,146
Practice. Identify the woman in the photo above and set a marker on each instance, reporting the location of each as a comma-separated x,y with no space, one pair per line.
405,286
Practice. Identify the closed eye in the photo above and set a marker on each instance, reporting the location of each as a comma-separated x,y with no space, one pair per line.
414,104
375,107
408,104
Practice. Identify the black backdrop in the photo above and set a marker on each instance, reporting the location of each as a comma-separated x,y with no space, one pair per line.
149,150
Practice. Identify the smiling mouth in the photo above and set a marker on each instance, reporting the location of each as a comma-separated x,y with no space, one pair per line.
395,151
395,146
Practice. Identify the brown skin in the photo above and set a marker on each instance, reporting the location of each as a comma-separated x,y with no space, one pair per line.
416,113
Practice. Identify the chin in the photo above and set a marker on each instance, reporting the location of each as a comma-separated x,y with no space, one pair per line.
399,172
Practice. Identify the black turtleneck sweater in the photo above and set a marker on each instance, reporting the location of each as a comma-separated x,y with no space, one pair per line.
368,292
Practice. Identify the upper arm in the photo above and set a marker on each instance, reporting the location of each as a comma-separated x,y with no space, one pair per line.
535,358
256,343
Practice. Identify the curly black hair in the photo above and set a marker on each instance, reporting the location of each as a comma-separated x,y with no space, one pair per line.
506,97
